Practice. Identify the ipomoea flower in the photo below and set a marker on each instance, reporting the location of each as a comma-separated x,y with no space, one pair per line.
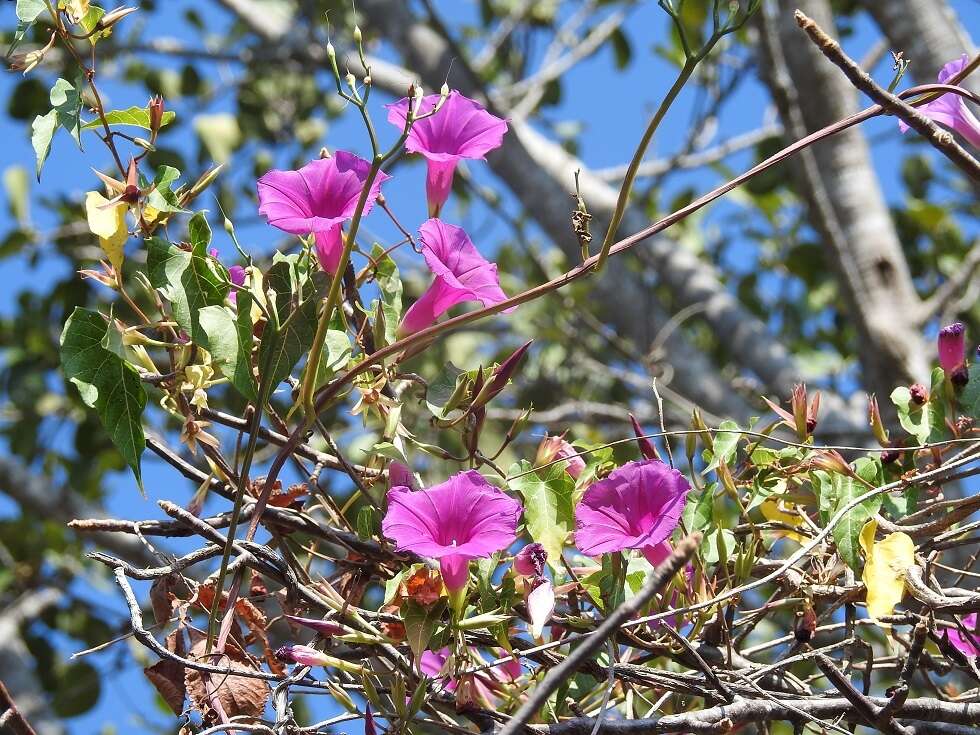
461,274
555,447
461,128
318,199
950,109
968,645
636,507
461,519
477,687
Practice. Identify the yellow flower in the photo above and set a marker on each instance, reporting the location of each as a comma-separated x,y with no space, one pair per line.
884,568
107,219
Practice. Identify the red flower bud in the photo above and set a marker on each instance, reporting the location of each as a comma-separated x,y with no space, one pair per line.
920,394
646,446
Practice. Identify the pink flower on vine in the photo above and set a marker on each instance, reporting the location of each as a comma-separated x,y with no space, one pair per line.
969,644
636,507
461,274
952,347
460,129
461,519
950,109
317,199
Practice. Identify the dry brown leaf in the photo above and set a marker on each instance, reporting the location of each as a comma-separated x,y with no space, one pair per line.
162,597
293,493
168,678
237,695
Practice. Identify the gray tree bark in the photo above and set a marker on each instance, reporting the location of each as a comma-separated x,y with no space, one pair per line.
846,205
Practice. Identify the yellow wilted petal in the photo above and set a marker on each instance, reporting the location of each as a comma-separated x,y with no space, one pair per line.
772,510
884,568
108,221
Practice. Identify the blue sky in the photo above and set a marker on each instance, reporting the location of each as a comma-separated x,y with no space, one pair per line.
611,105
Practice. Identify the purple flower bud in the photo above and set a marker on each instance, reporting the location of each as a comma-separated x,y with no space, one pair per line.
920,394
323,627
369,727
530,560
502,375
646,446
890,456
952,347
301,655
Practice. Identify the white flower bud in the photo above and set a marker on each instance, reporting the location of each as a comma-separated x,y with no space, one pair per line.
357,34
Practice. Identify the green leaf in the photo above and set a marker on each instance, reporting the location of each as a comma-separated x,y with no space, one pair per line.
548,509
42,130
28,10
88,23
162,197
138,117
199,232
725,444
106,383
698,511
336,354
970,397
390,286
66,100
718,546
446,392
622,51
927,423
281,349
847,532
229,340
188,279
420,623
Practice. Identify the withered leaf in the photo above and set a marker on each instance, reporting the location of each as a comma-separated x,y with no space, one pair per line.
237,695
168,678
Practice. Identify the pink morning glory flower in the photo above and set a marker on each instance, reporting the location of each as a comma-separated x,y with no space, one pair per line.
318,199
461,128
636,507
461,274
461,519
950,109
968,645
555,447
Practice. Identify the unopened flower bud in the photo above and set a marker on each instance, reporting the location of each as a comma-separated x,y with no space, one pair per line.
144,144
111,18
501,376
351,80
301,655
331,53
646,446
323,627
357,35
444,90
806,625
874,419
367,81
919,393
952,347
530,560
555,447
831,461
156,108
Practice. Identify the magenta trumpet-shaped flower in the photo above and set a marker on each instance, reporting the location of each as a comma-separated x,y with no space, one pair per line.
950,109
636,507
461,274
460,129
318,199
461,519
478,687
968,645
